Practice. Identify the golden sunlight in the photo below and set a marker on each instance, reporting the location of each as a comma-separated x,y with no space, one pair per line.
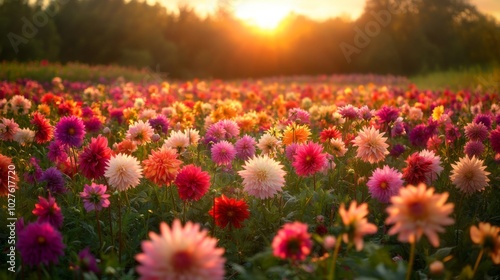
265,15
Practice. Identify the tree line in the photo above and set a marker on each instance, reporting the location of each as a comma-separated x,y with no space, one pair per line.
391,36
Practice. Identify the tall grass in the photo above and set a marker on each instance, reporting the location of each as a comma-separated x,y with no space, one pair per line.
471,78
12,71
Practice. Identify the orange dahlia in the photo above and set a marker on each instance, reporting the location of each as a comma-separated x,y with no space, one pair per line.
356,223
162,166
487,236
416,211
296,134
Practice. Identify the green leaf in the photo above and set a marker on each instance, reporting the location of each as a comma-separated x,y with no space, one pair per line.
442,253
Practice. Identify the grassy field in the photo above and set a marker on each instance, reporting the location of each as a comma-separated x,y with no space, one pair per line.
470,78
12,71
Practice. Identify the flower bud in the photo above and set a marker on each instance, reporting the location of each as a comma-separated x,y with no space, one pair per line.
436,267
329,242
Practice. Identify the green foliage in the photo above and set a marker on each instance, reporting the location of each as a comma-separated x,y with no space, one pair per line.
471,78
73,72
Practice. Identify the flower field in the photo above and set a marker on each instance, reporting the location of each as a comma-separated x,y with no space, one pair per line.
331,177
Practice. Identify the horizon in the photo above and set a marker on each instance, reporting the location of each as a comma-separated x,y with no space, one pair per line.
313,9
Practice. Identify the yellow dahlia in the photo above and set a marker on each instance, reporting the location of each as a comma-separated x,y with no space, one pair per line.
296,134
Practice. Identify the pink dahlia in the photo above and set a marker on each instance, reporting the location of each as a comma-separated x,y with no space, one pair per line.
231,127
349,112
476,132
94,197
87,262
299,116
140,133
245,147
291,151
495,140
93,159
484,119
8,128
309,159
387,114
180,253
192,182
372,146
474,149
292,242
223,153
384,183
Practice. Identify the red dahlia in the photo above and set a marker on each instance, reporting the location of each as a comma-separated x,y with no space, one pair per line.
229,211
416,170
43,130
329,133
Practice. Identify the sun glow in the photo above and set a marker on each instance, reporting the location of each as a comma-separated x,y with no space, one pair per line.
265,15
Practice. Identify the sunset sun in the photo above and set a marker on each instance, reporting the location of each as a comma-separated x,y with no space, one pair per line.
265,15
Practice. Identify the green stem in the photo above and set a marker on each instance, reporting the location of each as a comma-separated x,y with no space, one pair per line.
74,160
478,260
215,212
459,214
297,184
173,199
333,265
184,212
412,259
98,228
280,207
111,228
155,189
119,231
128,201
39,272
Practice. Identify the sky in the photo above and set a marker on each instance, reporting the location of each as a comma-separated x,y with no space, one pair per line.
315,9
